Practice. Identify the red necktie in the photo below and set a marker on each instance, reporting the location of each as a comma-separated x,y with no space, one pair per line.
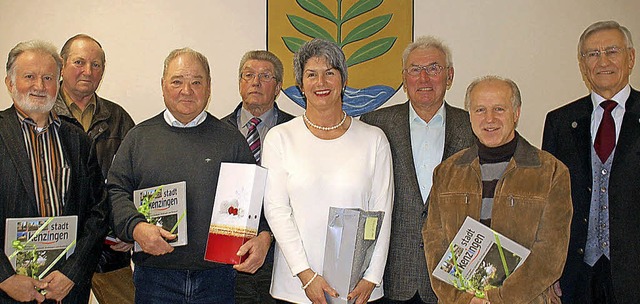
606,135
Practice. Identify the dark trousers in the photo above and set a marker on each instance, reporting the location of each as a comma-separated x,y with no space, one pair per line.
154,285
254,288
600,289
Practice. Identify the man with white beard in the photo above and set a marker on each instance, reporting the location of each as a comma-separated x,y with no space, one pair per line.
47,170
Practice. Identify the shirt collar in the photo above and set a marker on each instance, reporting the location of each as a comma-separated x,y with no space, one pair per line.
68,101
172,121
267,118
620,97
436,120
24,118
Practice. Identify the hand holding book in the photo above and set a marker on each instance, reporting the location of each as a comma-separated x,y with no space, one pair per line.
153,239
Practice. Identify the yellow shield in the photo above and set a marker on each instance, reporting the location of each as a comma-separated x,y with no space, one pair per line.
371,33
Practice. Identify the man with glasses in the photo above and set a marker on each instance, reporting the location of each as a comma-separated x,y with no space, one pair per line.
598,138
422,132
260,81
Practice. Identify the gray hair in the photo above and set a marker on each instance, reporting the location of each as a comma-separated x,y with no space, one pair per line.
263,56
604,25
37,46
64,52
187,51
516,99
424,42
319,48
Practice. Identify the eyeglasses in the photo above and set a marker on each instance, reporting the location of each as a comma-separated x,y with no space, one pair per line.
262,77
610,52
432,70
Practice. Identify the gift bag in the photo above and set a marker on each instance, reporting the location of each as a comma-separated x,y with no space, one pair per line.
351,238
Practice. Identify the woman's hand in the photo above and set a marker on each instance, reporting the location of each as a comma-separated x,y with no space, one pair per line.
362,292
317,287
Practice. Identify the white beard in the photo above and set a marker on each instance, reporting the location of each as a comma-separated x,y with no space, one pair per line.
25,103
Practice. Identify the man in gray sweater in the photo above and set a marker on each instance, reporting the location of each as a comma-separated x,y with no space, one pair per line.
183,143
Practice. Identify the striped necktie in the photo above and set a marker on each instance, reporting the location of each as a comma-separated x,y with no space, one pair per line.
253,138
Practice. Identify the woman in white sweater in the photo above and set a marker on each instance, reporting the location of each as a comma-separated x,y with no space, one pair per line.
320,160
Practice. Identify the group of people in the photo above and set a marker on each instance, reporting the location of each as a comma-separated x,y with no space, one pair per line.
428,165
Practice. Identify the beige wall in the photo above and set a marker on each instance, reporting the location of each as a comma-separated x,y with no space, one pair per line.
530,41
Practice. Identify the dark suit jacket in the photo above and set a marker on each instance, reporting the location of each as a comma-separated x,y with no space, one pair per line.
406,270
86,197
567,136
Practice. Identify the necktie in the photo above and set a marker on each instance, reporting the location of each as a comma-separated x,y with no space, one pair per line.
606,135
253,138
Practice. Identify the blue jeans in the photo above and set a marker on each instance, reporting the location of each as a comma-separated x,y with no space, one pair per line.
155,285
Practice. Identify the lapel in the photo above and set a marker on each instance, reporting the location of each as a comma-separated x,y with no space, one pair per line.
627,144
11,134
400,131
580,130
69,143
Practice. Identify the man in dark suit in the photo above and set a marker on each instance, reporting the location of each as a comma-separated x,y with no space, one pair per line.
48,169
600,264
260,81
422,132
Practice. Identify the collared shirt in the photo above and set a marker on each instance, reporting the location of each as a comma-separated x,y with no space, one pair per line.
427,145
617,113
268,119
49,169
85,117
172,121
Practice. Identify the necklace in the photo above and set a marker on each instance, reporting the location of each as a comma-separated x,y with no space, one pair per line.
306,119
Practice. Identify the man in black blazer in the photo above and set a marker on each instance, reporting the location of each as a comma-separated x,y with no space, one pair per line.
601,261
260,81
40,151
422,132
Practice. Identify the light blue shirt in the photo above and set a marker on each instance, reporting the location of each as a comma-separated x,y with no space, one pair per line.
268,119
427,145
172,121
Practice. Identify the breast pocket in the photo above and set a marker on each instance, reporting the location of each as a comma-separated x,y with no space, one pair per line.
454,209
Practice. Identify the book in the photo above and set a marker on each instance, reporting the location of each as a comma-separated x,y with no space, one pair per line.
166,207
479,258
351,238
236,211
35,244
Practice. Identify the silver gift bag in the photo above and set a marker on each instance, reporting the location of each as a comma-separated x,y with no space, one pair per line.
351,237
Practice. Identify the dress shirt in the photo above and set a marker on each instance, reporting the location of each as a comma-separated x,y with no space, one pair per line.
618,112
267,121
427,145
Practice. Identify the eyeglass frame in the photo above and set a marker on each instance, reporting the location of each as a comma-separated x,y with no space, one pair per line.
262,77
610,52
438,69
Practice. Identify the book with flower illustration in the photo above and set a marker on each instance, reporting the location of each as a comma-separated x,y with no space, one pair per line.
479,258
35,244
236,211
165,206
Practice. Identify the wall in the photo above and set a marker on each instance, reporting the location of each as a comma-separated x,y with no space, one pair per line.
530,41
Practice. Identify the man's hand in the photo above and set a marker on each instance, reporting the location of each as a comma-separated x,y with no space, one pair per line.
121,246
554,293
362,292
152,238
257,248
315,291
22,288
58,287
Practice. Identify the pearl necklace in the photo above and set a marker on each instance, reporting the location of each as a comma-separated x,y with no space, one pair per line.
306,119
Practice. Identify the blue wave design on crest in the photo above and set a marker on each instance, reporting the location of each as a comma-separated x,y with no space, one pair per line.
355,101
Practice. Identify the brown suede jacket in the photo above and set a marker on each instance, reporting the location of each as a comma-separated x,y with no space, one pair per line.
532,206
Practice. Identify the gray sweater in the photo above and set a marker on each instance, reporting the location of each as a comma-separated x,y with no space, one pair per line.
154,153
